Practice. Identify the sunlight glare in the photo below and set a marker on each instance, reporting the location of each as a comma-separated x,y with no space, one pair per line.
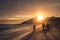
40,17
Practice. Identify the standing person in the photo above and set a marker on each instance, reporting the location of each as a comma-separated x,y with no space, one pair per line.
44,31
48,27
43,26
34,28
34,32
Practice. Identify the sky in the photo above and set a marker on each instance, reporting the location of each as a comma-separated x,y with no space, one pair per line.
29,8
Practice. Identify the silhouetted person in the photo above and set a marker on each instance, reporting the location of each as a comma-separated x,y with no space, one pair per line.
43,26
48,27
34,28
34,32
44,30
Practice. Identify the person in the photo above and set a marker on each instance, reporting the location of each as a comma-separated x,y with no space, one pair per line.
34,28
48,27
44,31
43,26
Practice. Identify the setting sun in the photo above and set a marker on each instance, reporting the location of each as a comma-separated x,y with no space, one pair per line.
40,17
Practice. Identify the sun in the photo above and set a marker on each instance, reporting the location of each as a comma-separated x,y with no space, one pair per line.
40,17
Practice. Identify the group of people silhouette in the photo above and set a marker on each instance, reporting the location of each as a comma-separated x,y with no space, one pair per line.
45,27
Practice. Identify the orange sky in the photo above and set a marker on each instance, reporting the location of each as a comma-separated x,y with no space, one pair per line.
12,8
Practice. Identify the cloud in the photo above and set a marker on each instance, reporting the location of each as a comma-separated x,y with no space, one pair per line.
25,7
